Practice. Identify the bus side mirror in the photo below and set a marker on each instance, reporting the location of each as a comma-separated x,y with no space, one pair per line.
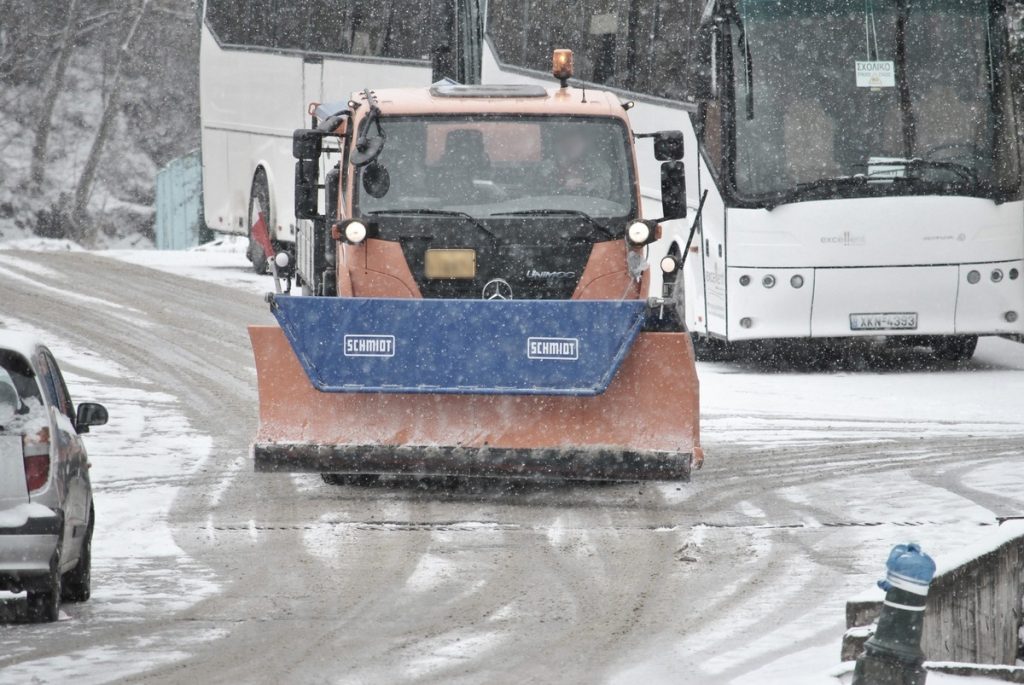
668,146
673,191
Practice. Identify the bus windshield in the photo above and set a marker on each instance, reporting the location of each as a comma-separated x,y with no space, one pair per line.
500,166
890,96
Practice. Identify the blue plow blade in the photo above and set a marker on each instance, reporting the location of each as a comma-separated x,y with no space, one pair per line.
511,347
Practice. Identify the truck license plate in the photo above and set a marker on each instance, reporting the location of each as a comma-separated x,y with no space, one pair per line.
450,264
905,321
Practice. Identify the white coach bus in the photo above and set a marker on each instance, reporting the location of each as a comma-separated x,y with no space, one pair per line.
263,61
860,156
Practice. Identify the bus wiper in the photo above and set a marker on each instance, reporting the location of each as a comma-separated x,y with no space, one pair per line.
555,212
916,164
833,182
438,212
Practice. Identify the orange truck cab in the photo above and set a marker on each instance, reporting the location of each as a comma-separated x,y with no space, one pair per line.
472,268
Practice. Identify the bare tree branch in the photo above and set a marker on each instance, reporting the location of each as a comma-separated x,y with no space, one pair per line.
85,182
44,122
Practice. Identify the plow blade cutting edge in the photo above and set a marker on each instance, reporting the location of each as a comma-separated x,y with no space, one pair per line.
522,389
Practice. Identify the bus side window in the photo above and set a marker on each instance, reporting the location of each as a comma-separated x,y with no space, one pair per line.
638,45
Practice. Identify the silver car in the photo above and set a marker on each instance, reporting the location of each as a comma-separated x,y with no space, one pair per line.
46,512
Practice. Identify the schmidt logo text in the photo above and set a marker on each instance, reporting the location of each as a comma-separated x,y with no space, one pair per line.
564,349
369,346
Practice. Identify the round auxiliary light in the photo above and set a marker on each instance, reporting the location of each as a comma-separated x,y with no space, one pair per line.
355,232
768,281
997,275
282,260
1014,274
1011,317
746,322
669,264
744,280
973,277
797,281
639,233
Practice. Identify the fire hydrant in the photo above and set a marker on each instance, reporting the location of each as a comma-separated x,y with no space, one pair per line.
893,655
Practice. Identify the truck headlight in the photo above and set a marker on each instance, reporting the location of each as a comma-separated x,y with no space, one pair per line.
355,232
638,233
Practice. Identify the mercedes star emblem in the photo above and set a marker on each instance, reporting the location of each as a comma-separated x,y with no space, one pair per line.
498,289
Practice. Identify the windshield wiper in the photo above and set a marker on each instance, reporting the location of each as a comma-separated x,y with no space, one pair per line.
555,212
438,212
916,164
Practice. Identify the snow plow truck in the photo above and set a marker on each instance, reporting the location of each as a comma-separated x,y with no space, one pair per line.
474,294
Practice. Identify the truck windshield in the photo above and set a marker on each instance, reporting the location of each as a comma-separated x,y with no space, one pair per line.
911,94
491,166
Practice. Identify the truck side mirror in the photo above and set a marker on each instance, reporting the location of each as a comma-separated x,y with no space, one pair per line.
673,190
668,146
307,144
307,187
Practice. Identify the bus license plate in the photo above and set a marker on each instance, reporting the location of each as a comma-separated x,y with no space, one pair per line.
450,264
883,322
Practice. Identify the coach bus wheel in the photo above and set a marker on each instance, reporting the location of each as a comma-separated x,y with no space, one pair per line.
955,348
259,203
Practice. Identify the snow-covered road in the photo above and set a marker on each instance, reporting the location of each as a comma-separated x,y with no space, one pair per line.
738,577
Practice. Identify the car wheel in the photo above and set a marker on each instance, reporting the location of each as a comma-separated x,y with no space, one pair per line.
77,583
259,203
44,605
955,348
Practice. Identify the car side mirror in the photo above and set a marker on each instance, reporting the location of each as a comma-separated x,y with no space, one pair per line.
90,414
673,190
668,146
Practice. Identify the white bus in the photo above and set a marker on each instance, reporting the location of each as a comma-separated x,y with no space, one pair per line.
860,156
263,61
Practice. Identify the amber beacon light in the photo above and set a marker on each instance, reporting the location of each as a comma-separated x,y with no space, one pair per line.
561,66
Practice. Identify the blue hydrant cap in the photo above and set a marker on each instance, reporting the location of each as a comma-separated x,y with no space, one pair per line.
908,568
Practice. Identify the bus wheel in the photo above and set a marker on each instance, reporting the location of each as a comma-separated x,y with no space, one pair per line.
259,205
955,348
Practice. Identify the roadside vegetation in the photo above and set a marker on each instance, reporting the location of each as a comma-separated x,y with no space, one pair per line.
95,96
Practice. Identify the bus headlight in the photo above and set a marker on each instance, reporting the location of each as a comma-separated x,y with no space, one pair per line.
797,281
997,275
638,233
768,281
669,265
973,277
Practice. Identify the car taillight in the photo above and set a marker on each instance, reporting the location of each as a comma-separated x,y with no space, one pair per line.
37,465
